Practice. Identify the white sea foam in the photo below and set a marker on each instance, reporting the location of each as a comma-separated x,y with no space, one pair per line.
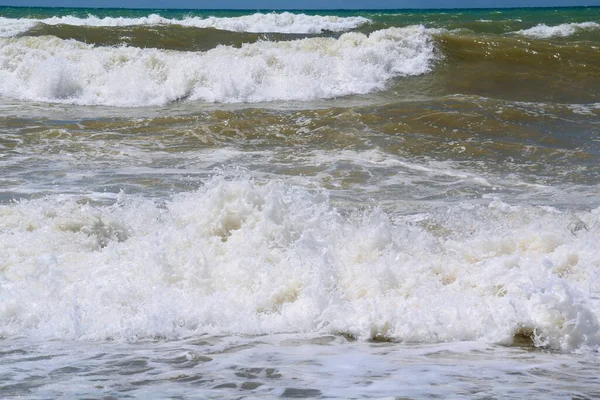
248,258
543,31
55,70
285,22
10,27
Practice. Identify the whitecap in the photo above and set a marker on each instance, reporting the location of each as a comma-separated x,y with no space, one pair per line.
54,70
284,22
543,31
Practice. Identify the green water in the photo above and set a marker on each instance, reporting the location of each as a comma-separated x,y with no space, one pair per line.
316,204
447,18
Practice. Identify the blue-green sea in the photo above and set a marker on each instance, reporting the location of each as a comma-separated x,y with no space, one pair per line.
258,204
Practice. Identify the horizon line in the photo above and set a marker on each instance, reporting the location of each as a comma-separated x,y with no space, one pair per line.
302,9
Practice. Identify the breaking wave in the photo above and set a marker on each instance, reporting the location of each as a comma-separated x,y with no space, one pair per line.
285,22
247,258
53,70
543,31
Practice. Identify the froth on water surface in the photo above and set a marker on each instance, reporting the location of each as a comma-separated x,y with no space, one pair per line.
449,148
335,204
49,69
240,256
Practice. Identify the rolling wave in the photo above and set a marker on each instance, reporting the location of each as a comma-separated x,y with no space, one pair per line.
53,70
543,31
285,22
244,258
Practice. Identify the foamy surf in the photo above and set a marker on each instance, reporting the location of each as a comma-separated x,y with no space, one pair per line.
11,27
436,237
285,22
240,257
543,31
52,70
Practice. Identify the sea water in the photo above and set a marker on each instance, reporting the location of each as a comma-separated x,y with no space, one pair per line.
348,204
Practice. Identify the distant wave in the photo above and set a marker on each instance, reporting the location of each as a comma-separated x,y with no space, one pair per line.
543,31
272,22
49,69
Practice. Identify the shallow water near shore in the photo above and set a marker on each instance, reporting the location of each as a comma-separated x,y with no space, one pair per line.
292,366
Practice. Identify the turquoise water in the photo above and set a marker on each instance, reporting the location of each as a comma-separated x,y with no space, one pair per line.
315,204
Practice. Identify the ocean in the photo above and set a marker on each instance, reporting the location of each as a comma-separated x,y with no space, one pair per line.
398,204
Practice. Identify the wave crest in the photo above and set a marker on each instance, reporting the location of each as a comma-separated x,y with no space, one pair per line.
54,70
543,31
285,22
243,257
